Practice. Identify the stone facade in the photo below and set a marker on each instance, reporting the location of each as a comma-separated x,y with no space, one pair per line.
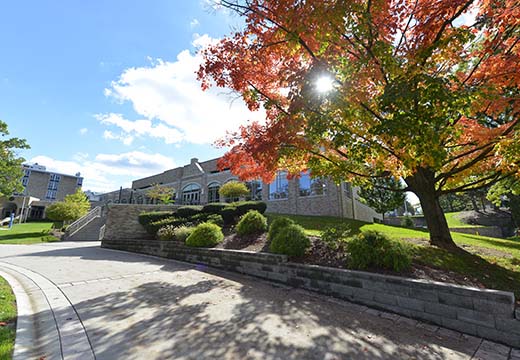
41,188
202,179
485,313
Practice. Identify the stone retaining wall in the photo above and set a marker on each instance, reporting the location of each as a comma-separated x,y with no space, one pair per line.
122,220
486,313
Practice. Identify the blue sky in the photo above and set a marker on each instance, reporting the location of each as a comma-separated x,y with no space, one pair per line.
108,88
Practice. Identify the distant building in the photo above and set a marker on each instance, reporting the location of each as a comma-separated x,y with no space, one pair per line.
199,183
121,196
41,188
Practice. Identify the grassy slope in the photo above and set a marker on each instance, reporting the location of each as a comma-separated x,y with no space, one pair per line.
495,272
7,315
28,233
455,222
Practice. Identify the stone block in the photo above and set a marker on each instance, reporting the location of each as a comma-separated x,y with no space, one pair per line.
448,333
446,311
493,347
458,325
476,317
421,315
499,336
491,307
422,294
412,304
342,290
362,294
455,300
384,298
508,325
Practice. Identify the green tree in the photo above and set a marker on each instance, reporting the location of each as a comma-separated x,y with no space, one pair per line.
233,190
161,194
384,194
507,191
70,209
11,170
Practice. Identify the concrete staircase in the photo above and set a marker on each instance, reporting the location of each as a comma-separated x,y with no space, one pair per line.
88,228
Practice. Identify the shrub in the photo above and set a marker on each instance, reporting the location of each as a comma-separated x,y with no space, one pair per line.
154,226
277,225
215,219
181,233
374,249
334,234
214,208
244,206
188,211
166,233
290,240
147,217
205,235
251,223
408,222
229,214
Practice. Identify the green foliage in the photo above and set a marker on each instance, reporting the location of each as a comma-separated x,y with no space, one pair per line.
153,227
244,206
181,233
378,196
11,171
7,319
507,192
251,223
233,190
407,222
334,234
166,233
205,235
213,208
162,194
278,224
147,217
188,211
372,249
229,214
215,219
72,208
290,240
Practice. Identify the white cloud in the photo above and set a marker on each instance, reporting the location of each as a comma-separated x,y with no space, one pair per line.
194,23
169,93
138,128
83,131
106,172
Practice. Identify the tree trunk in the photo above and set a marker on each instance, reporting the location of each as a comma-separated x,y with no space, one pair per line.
422,183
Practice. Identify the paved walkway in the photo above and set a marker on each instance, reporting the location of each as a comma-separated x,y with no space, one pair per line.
84,302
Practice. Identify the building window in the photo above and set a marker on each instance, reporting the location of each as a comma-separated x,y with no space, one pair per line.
255,188
347,188
191,194
79,182
51,195
310,186
52,188
25,179
279,188
213,194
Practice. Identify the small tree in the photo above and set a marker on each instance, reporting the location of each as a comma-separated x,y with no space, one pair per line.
509,191
10,164
72,208
233,190
162,194
385,195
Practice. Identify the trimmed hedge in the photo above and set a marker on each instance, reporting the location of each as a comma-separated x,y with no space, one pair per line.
188,211
214,208
251,223
205,235
244,206
146,218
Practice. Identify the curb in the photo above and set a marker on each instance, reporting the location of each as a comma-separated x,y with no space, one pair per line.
48,325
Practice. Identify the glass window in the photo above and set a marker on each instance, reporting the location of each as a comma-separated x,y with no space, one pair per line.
279,188
347,188
79,182
255,188
310,186
213,194
191,194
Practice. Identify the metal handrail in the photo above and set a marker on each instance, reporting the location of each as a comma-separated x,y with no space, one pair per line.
78,224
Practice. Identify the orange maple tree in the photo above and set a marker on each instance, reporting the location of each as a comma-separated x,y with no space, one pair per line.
423,90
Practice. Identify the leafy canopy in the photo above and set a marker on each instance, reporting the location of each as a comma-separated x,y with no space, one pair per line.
71,208
233,190
162,194
11,170
384,195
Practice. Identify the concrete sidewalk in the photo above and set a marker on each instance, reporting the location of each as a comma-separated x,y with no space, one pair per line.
106,304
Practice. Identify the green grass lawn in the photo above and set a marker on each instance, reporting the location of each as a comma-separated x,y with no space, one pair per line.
484,260
27,233
7,320
455,222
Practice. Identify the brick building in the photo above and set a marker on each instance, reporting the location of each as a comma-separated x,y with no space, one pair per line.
41,188
199,182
